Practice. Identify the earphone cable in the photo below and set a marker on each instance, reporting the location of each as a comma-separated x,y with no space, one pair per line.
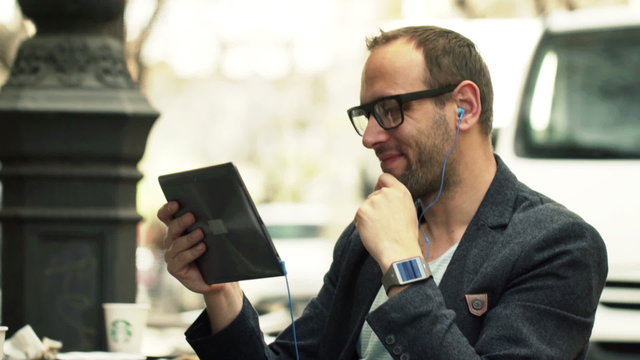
293,323
440,190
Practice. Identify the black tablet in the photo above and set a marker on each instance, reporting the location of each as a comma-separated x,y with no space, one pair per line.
238,244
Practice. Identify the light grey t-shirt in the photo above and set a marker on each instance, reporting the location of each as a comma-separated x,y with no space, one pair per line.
369,346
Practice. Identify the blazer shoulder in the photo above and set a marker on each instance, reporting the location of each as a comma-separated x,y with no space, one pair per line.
546,220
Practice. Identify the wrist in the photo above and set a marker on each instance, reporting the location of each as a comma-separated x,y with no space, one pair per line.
223,305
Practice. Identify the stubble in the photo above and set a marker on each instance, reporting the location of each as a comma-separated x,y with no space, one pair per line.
423,175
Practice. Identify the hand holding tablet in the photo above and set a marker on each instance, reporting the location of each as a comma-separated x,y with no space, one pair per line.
239,246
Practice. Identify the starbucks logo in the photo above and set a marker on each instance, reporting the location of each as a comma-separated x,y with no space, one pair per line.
121,331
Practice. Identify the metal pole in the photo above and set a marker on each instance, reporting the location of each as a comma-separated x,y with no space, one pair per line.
73,126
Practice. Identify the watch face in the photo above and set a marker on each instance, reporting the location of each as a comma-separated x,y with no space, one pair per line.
409,270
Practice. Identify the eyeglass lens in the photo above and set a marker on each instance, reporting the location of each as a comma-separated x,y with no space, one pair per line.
388,114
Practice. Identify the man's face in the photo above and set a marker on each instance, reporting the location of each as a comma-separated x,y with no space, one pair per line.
413,152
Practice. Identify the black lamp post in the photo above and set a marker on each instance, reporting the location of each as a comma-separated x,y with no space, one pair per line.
73,126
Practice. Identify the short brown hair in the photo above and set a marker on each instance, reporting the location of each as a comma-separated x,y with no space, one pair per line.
450,58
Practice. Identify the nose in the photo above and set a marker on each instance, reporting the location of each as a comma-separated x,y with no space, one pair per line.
373,133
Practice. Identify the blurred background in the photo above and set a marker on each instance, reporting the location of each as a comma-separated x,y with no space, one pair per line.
266,85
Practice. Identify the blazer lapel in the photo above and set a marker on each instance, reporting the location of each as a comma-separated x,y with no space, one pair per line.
479,239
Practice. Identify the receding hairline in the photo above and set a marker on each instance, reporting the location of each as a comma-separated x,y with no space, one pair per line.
373,45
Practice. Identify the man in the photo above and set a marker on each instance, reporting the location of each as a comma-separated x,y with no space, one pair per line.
515,275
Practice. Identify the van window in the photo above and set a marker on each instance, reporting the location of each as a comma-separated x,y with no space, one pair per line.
582,98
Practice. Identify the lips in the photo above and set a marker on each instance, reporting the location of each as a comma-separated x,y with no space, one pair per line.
389,160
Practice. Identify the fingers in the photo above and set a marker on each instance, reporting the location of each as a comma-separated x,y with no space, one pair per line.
182,251
178,226
167,211
386,220
179,243
185,242
183,247
387,184
387,180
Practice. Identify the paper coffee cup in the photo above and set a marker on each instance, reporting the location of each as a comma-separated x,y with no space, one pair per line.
125,324
3,333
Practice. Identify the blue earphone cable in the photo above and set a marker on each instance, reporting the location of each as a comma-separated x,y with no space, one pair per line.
293,322
435,201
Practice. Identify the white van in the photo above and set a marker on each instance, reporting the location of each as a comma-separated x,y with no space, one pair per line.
576,138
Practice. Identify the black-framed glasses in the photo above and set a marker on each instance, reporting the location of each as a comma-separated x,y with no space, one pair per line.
389,110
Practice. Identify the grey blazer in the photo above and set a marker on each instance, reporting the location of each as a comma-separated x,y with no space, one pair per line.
524,283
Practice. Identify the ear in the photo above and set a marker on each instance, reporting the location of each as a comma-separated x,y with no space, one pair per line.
467,96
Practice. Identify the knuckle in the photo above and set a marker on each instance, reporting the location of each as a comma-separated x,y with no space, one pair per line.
168,256
165,212
190,254
175,228
185,257
194,236
187,219
161,215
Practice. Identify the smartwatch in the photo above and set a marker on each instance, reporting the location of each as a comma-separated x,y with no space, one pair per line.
405,272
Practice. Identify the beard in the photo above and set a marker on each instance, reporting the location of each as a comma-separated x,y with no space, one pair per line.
424,169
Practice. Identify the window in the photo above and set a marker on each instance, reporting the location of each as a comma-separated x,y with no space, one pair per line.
582,99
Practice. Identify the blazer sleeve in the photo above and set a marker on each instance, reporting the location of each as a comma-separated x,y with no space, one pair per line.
544,279
243,339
